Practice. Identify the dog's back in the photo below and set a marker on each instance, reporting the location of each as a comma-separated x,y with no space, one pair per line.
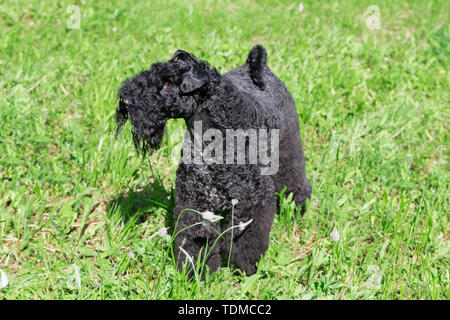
255,80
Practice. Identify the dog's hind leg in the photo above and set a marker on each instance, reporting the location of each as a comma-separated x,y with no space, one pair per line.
197,248
292,172
251,243
194,242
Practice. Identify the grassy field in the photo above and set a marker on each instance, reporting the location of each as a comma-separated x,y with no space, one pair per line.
79,210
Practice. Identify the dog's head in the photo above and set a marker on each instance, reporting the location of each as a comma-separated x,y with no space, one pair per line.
153,96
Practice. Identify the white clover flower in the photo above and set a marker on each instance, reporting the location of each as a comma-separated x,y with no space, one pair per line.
3,279
234,202
334,234
243,225
162,232
207,215
210,217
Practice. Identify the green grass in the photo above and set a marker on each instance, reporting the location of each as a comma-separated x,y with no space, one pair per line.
78,210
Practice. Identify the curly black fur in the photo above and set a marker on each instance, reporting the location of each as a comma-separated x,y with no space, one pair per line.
249,96
257,60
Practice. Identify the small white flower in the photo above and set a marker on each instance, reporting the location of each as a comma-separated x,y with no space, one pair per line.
210,217
301,7
386,59
132,255
3,279
234,202
334,234
162,232
243,225
207,215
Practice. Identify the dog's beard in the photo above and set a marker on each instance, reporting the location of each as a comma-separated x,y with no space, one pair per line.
121,118
146,130
148,138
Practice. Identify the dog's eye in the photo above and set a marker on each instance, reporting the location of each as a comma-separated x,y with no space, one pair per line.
126,102
167,87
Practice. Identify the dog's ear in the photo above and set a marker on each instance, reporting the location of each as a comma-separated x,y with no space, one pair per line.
183,56
194,79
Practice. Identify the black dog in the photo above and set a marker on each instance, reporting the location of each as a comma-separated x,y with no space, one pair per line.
247,97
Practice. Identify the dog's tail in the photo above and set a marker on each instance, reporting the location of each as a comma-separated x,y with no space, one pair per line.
257,60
